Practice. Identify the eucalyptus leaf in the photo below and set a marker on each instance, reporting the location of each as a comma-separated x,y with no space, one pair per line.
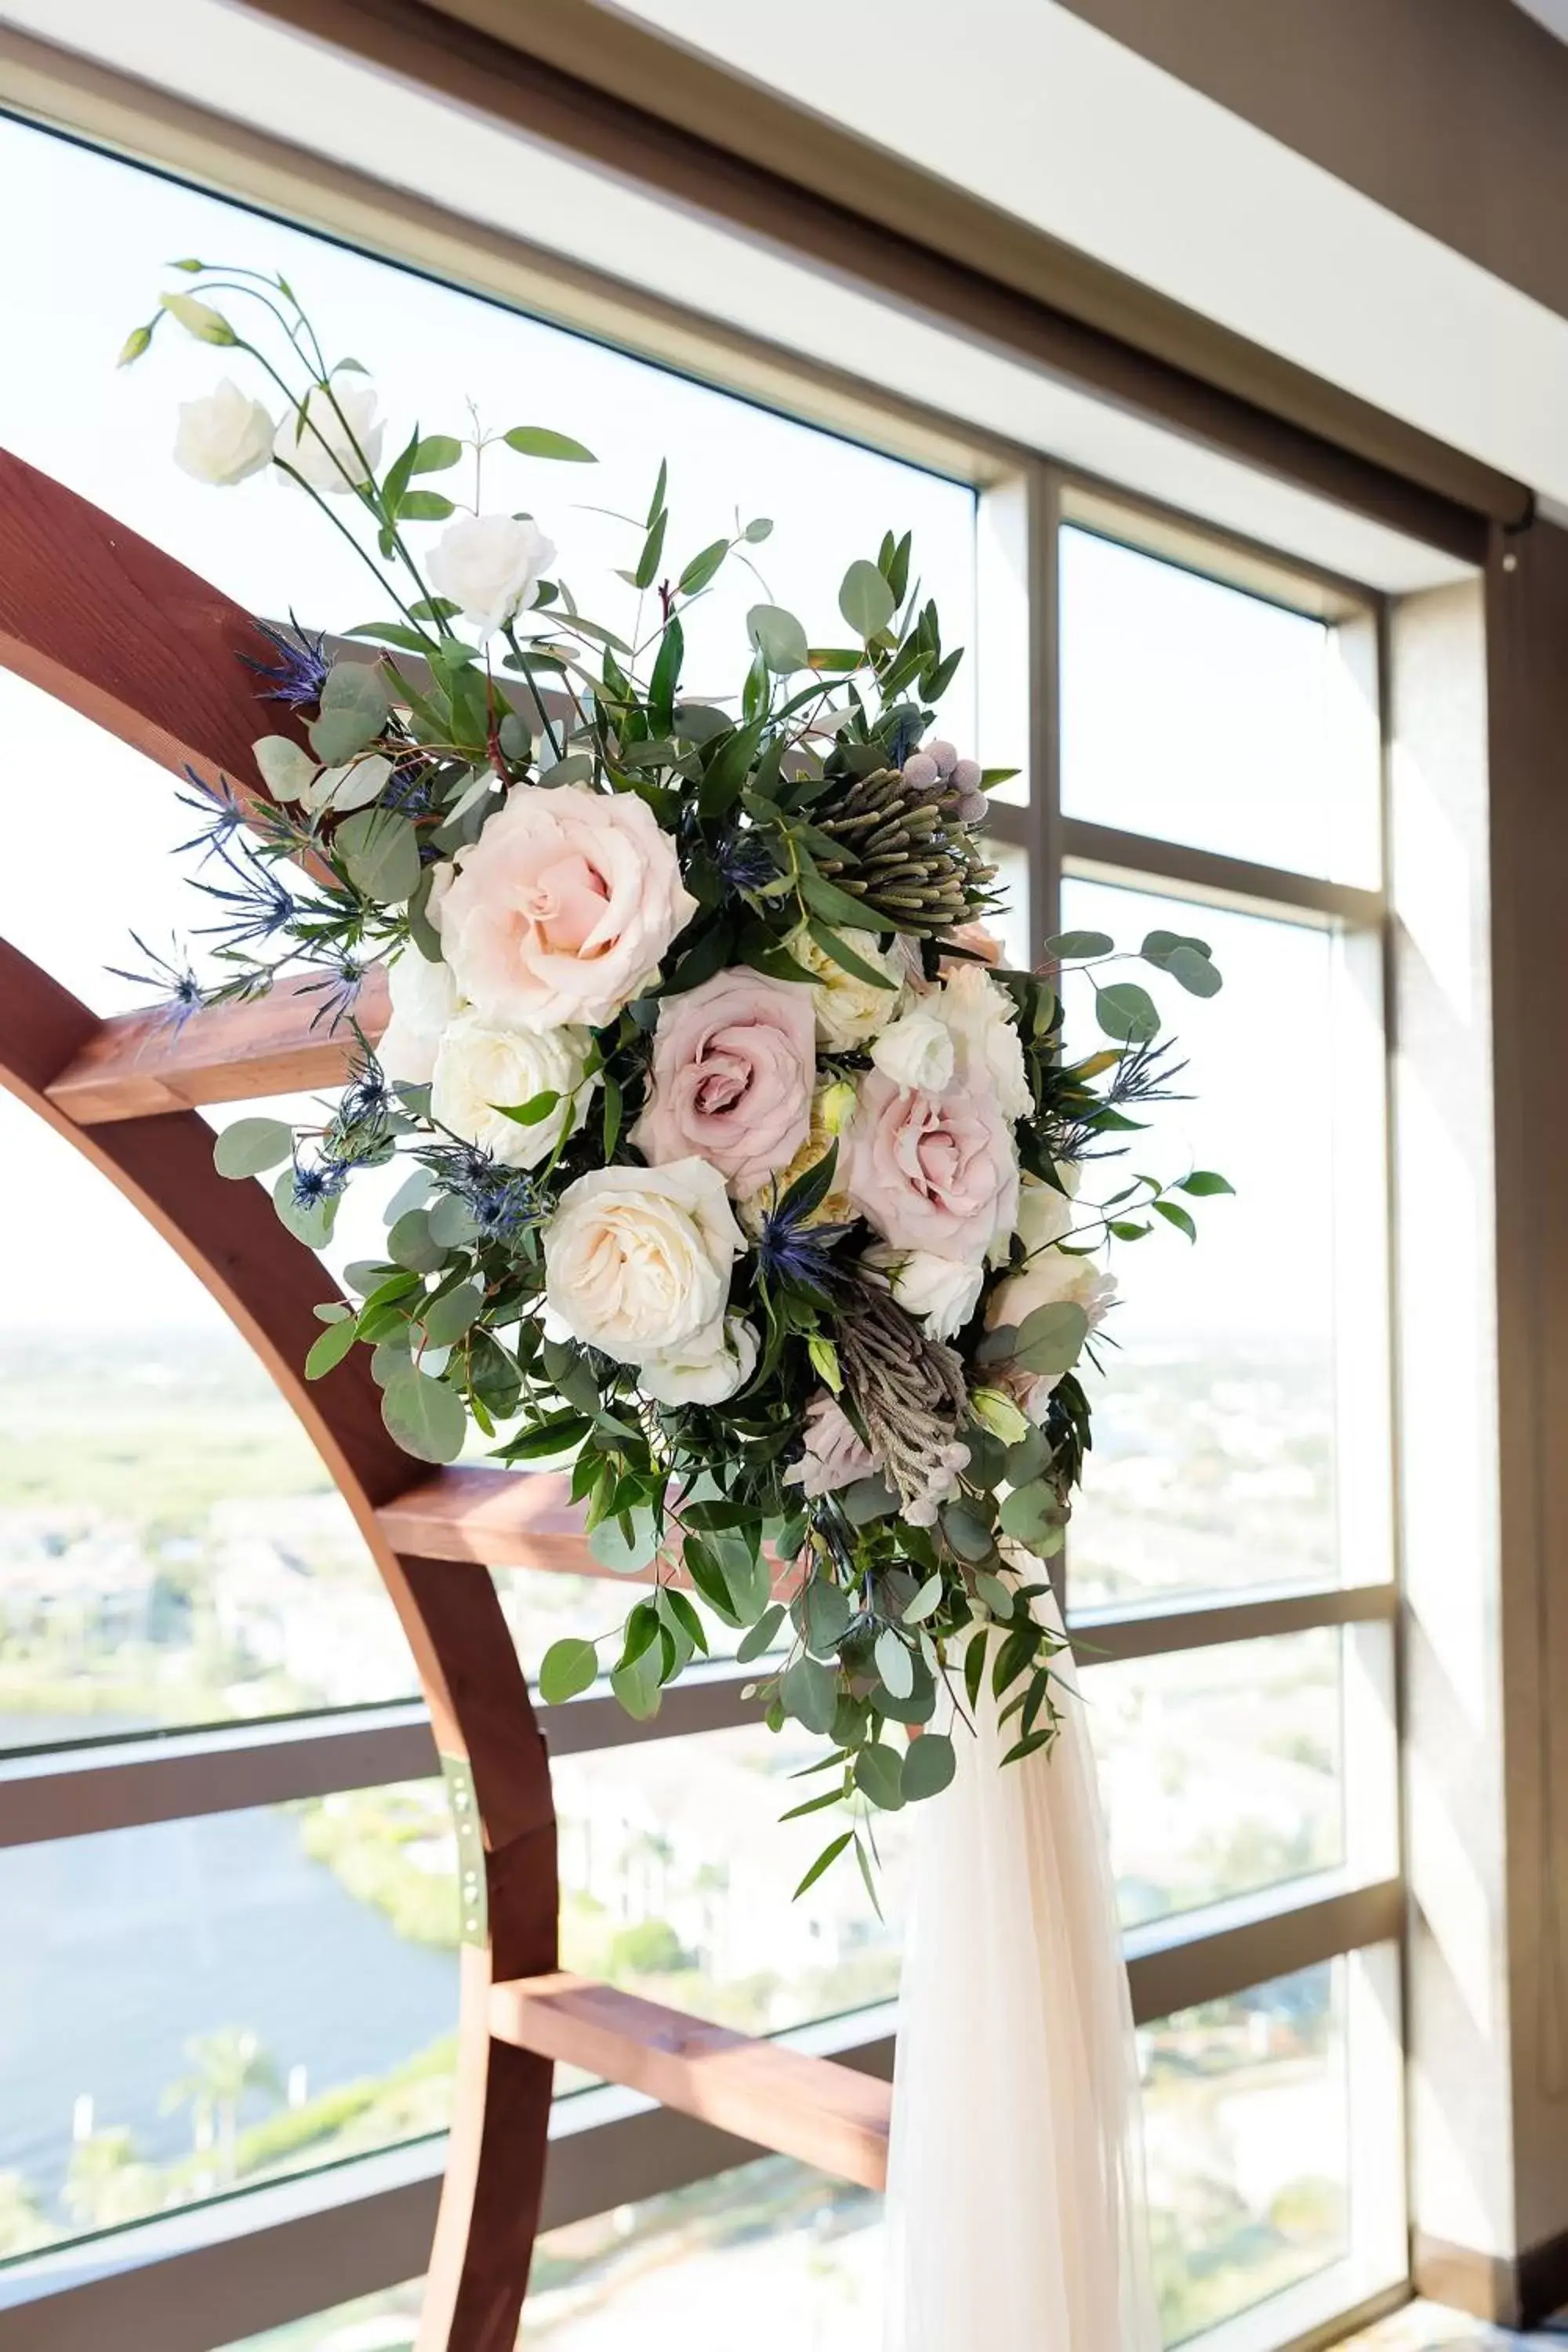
612,1548
865,600
285,767
1127,1012
1195,972
380,851
1051,1338
894,1664
778,637
763,1635
356,702
425,1416
878,1775
334,1344
309,1222
1079,946
251,1146
809,1692
448,1316
826,1609
928,1767
567,1667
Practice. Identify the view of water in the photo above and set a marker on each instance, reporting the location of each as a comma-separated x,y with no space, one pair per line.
118,1948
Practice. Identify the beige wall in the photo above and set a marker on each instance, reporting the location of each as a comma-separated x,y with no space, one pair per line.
1453,113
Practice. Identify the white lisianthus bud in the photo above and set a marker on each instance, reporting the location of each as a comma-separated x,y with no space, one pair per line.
482,1071
1045,1216
222,439
424,999
704,1370
834,1105
997,1412
334,442
942,1291
490,566
916,1051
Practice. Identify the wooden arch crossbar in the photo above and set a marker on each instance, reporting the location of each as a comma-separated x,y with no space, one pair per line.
123,634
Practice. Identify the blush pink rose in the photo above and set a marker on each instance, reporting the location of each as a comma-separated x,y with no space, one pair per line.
932,1172
834,1456
733,1065
563,907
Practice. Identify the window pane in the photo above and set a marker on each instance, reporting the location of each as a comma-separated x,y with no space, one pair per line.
430,350
200,2004
1220,1768
1246,2131
1215,1442
171,1549
799,2254
677,1880
1198,714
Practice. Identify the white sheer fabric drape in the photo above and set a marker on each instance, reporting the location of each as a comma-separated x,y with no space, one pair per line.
1016,2218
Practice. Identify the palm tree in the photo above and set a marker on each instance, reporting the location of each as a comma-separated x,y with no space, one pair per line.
224,2064
106,2181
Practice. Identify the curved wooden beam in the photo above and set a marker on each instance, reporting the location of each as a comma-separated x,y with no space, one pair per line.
491,1753
118,631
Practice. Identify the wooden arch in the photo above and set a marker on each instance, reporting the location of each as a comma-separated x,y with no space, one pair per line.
116,629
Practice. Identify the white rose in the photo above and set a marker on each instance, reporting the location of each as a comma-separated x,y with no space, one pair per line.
637,1260
1045,1216
490,565
423,997
939,1290
706,1370
335,445
849,1011
980,1017
479,1065
223,437
916,1051
1055,1276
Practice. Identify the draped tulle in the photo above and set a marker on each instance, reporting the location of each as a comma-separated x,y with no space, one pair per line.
1016,2219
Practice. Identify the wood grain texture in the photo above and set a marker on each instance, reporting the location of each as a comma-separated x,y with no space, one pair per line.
511,1519
820,2113
120,631
141,1062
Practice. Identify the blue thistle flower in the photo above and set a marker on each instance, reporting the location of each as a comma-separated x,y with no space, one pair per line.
410,789
312,1185
221,813
261,905
504,1202
300,670
176,983
745,861
794,1254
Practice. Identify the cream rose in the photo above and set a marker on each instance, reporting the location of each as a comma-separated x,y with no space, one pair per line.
733,1064
480,1066
932,1172
1045,1216
637,1260
334,444
1052,1279
981,1019
706,1370
942,1291
563,907
834,1457
917,1051
490,566
849,1011
424,997
223,437
834,1207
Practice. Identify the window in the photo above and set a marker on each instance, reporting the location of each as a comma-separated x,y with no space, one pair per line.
175,1567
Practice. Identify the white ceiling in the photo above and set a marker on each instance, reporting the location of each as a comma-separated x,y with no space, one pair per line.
1077,134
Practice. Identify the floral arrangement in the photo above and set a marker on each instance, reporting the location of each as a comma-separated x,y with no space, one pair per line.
744,1176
